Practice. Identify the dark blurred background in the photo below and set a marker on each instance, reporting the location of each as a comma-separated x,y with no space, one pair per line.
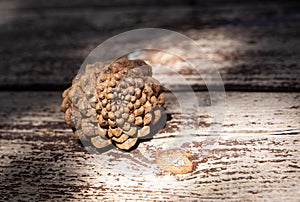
254,43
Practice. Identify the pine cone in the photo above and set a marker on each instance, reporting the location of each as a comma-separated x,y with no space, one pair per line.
114,104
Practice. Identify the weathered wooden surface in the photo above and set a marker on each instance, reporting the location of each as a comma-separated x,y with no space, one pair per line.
249,113
257,157
255,46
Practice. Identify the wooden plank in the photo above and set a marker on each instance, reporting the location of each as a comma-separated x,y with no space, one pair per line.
245,113
40,159
252,49
241,168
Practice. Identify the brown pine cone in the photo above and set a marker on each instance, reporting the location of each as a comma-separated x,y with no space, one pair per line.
114,104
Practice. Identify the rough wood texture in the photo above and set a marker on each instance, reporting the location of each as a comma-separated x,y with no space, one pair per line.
249,42
257,157
255,46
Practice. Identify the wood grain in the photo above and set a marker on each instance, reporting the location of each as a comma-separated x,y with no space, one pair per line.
255,47
244,113
40,158
246,148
